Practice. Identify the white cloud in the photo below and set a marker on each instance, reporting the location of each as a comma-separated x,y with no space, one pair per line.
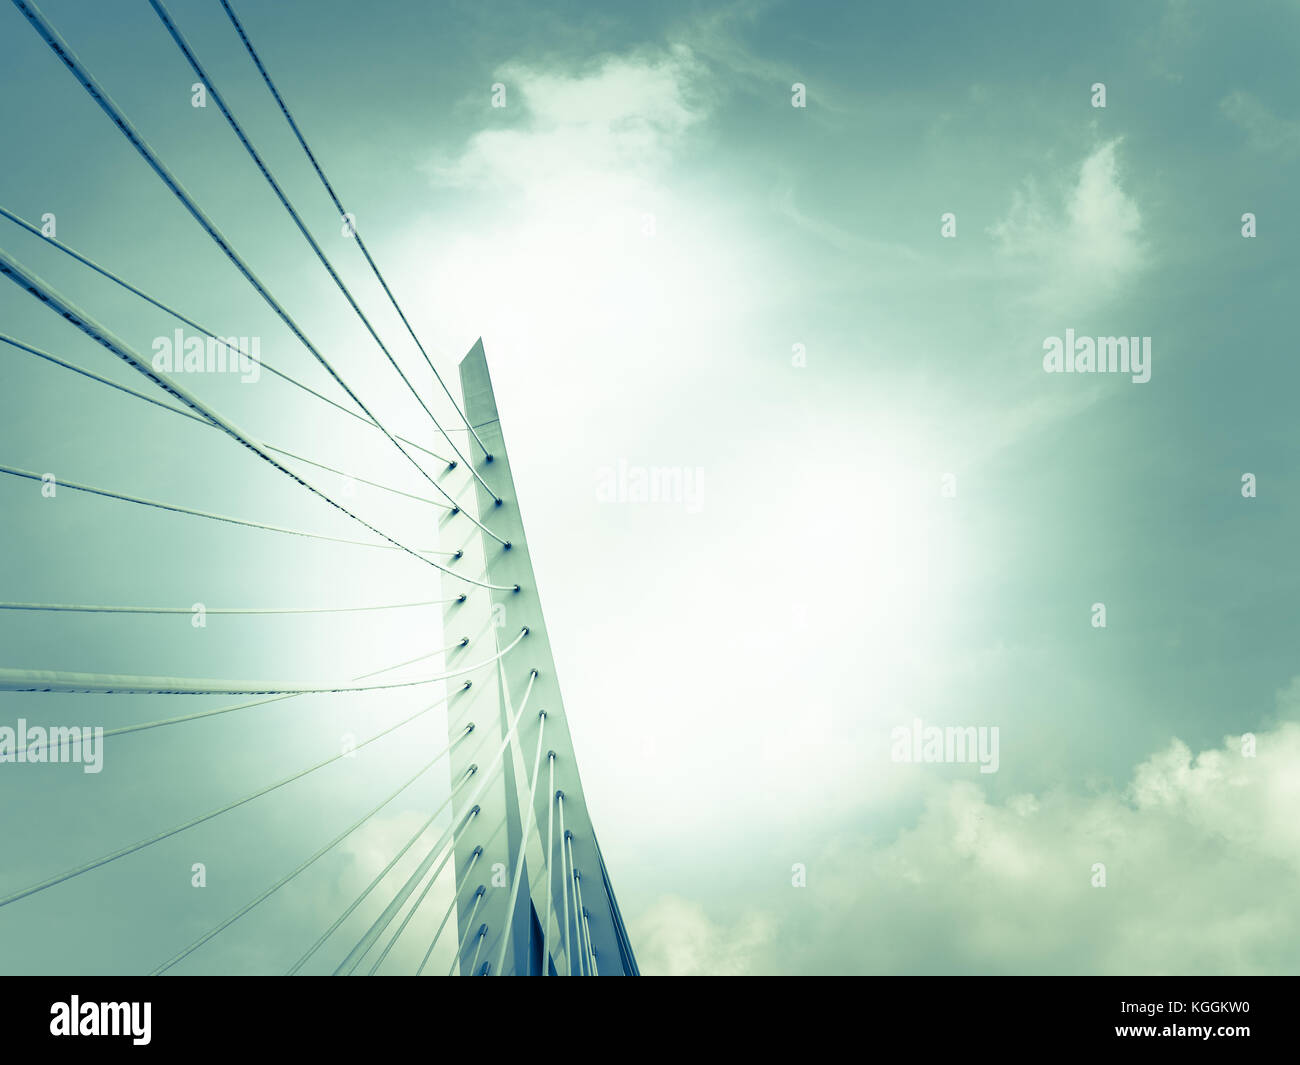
1078,247
675,937
569,238
1264,130
1201,855
612,127
1198,854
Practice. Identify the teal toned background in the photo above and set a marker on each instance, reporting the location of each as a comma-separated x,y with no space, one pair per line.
732,675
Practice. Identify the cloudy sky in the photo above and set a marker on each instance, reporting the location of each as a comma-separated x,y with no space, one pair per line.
899,515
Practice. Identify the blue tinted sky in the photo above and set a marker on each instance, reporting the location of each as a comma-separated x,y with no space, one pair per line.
641,236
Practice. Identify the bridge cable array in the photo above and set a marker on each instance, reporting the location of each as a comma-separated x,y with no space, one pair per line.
183,402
